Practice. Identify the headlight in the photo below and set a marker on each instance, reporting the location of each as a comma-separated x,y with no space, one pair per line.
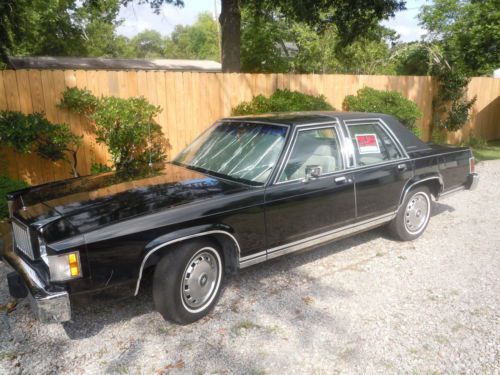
65,267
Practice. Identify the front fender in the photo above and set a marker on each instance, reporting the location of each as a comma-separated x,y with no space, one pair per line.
154,249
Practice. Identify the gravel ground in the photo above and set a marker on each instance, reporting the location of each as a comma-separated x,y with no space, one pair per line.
366,304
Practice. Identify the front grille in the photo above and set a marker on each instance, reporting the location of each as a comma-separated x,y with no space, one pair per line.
23,240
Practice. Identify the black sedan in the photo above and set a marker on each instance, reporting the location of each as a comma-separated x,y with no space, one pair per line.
247,190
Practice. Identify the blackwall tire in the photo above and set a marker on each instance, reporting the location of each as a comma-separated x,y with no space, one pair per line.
413,216
188,280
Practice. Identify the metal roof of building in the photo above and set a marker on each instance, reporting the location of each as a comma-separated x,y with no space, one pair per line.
102,63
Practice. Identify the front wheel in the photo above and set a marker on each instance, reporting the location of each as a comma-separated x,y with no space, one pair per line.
187,281
413,215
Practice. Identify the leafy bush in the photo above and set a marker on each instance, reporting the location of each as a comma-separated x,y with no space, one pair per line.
6,186
34,133
282,101
388,102
97,168
126,126
476,142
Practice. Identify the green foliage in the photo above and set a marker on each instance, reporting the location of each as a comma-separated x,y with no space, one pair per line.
126,126
388,102
34,133
8,185
476,142
97,168
147,44
282,101
467,31
58,28
196,41
490,151
80,101
451,106
272,43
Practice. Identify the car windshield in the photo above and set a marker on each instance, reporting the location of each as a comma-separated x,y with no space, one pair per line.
241,151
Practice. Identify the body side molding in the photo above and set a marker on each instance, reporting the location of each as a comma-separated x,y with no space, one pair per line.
412,183
316,239
180,239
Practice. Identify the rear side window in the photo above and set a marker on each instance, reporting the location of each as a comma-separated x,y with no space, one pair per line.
372,144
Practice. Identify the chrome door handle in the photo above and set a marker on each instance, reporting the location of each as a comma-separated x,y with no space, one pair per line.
340,180
402,167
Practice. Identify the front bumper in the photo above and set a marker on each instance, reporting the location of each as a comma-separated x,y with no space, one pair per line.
50,306
472,181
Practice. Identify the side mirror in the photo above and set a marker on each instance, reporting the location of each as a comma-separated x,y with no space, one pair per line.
312,172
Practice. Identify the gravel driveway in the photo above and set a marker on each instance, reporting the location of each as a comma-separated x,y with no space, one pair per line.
366,304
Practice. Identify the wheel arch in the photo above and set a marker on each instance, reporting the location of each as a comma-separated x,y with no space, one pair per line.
433,181
222,235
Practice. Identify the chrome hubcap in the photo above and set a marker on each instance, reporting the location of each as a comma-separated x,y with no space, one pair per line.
417,212
200,279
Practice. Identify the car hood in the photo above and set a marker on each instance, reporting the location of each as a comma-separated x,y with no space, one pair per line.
92,201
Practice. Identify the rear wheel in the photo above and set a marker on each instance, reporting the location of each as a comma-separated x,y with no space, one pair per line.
413,215
187,281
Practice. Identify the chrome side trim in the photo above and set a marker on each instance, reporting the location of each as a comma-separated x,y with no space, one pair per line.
251,256
409,187
288,152
250,262
320,238
180,239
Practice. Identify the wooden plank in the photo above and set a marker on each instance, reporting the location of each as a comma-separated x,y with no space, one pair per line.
170,106
13,104
28,165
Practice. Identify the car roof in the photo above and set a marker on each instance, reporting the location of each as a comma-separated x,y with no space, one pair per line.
304,118
409,141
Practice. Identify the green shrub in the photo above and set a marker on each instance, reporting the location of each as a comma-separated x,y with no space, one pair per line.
8,185
476,142
282,101
98,168
388,102
126,126
34,133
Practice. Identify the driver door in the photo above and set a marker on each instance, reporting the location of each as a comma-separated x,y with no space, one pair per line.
312,193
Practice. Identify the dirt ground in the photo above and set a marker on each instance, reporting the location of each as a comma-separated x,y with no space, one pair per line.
366,304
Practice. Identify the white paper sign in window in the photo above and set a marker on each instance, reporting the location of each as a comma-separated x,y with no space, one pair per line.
367,143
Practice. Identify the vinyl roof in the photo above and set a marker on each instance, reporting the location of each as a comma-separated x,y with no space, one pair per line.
405,136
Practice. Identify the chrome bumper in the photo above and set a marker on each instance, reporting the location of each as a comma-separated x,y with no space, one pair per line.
472,181
49,306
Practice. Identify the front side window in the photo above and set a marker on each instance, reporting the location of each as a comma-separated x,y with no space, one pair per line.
372,144
240,151
313,148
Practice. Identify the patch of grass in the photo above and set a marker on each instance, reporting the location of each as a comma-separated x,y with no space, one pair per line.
379,254
489,152
7,356
244,325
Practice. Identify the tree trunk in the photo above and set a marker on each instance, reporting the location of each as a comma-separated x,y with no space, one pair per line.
230,21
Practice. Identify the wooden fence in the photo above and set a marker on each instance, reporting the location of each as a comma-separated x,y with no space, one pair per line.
193,101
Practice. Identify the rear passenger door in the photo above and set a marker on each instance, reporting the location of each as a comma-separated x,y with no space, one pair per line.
298,207
382,168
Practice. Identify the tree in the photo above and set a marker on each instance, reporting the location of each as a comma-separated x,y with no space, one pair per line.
351,18
147,44
58,27
197,41
273,43
467,31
